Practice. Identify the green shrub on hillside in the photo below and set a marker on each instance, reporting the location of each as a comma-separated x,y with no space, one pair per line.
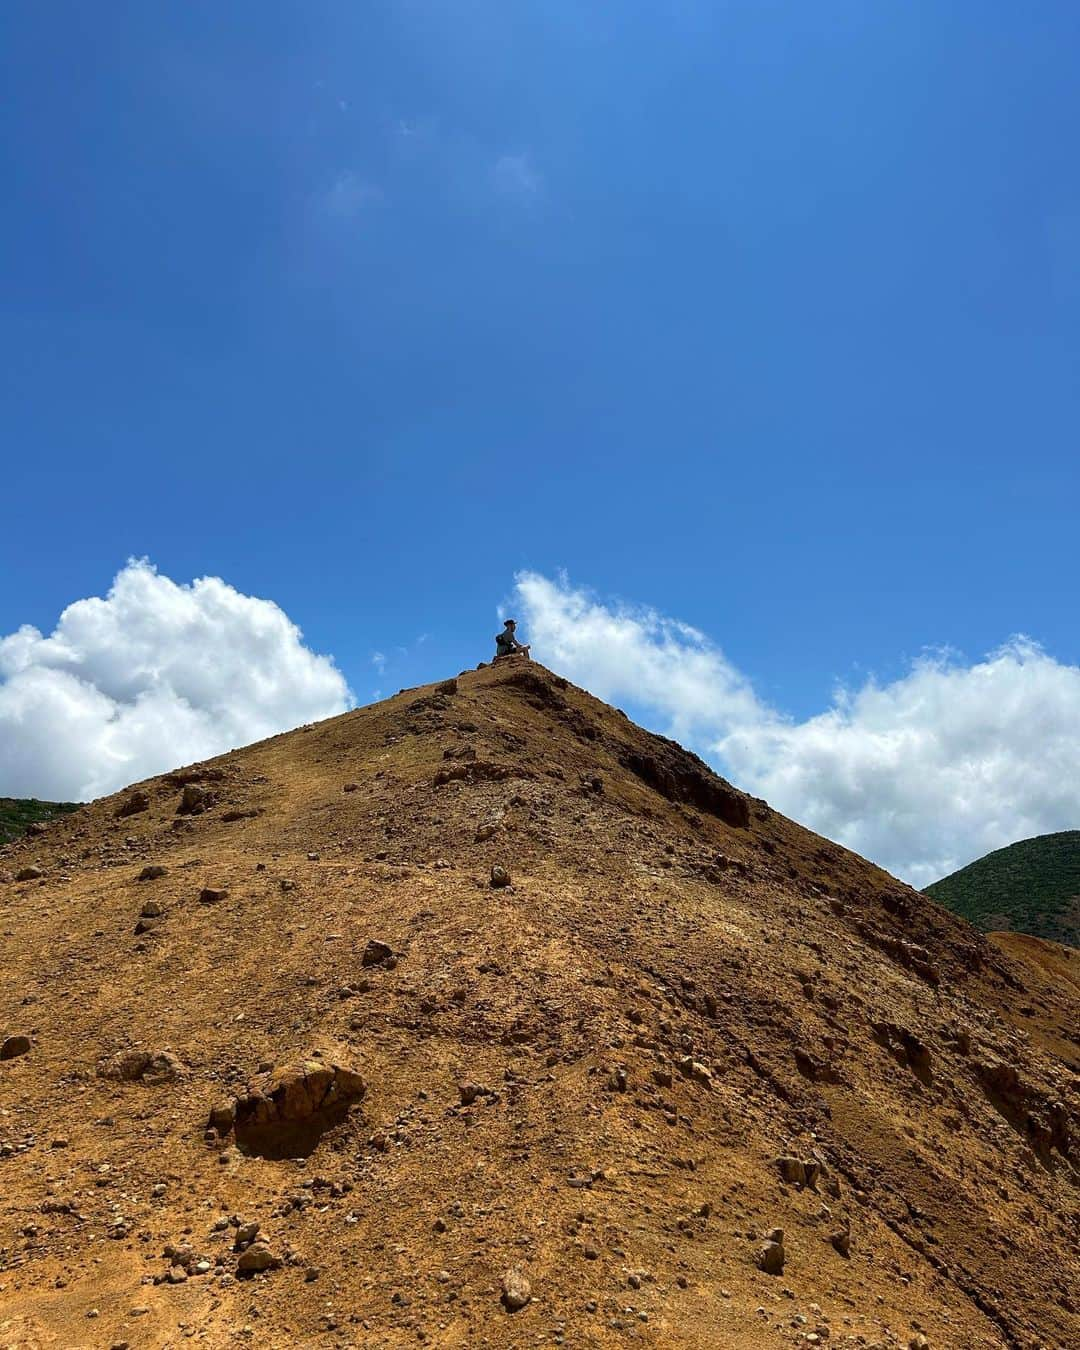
16,813
1030,887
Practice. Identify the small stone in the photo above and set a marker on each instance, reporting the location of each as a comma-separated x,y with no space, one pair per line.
246,1233
469,1092
517,1291
770,1258
486,831
151,910
223,1117
153,872
210,895
312,1272
29,874
499,876
376,952
256,1258
15,1046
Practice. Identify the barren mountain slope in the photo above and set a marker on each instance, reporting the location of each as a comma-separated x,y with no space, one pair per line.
684,1023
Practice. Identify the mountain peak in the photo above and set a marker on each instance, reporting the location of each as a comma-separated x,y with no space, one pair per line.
483,1016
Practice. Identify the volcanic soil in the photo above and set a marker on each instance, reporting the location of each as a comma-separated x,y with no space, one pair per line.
481,1017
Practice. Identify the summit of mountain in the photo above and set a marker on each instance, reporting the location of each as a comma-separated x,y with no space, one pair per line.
483,1017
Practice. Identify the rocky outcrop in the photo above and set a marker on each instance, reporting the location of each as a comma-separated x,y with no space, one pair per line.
141,1066
681,777
287,1115
133,804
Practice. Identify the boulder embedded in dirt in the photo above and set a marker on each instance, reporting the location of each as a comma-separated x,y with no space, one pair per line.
194,800
288,1114
517,1291
376,953
133,804
141,1066
256,1258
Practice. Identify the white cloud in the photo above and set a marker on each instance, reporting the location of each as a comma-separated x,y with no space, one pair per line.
154,675
349,195
921,775
516,176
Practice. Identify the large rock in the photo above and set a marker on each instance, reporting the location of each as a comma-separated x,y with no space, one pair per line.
15,1046
194,800
141,1066
285,1116
133,804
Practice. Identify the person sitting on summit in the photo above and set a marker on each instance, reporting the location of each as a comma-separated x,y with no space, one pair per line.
506,643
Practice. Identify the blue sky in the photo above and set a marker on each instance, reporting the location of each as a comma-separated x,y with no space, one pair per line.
762,315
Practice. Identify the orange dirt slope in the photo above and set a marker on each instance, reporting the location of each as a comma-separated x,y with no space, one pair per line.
567,1110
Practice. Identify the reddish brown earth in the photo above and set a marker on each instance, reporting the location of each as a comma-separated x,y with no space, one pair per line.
575,1088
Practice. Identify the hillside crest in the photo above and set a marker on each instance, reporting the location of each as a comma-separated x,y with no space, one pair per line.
482,1017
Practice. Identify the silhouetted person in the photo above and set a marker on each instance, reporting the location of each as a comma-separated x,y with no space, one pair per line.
506,643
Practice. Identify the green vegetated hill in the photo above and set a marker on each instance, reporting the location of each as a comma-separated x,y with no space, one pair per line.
1030,887
16,813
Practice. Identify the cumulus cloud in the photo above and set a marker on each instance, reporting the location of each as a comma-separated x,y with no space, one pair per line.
921,774
154,675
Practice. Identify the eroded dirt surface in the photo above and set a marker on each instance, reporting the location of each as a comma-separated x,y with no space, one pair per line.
685,1022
